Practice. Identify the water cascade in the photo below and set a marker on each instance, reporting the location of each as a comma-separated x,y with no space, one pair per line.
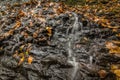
72,37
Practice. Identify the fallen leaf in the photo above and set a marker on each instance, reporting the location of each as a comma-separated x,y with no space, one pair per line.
49,29
16,54
30,59
35,35
114,67
21,60
117,72
102,73
26,52
17,24
21,47
110,45
21,13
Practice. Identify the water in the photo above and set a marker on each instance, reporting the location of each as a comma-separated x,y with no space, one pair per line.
72,37
91,60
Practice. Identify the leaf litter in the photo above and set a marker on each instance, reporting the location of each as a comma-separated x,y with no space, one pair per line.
33,35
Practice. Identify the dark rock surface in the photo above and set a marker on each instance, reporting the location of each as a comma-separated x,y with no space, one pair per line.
50,52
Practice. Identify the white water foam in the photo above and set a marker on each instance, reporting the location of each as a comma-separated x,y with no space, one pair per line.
72,37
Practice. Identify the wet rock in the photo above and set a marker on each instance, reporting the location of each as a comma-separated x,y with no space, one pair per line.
33,76
9,62
50,50
6,74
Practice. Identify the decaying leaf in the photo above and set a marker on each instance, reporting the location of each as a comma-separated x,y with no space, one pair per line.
18,23
16,54
102,73
60,10
21,54
35,34
117,72
114,67
116,42
26,52
110,45
114,49
21,13
25,34
49,29
21,47
42,19
118,35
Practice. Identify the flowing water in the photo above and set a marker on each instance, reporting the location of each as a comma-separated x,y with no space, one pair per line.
84,42
73,36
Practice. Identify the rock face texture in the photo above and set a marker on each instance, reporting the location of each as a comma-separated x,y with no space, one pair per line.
64,45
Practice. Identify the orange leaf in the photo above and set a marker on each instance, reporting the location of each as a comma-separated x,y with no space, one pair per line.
30,59
118,35
59,10
18,23
21,13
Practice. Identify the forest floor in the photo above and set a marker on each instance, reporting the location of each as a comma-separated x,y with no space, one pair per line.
54,41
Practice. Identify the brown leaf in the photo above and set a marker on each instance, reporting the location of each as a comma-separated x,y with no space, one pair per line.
18,23
110,45
35,34
21,13
102,73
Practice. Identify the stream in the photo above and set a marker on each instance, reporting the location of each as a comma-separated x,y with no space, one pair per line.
64,45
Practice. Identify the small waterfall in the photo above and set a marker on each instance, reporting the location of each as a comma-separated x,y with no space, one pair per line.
91,60
72,37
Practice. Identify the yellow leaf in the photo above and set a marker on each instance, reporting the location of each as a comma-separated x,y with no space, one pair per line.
21,47
26,52
114,67
21,60
117,72
49,29
21,54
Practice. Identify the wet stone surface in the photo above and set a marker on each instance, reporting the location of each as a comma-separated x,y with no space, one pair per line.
27,28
